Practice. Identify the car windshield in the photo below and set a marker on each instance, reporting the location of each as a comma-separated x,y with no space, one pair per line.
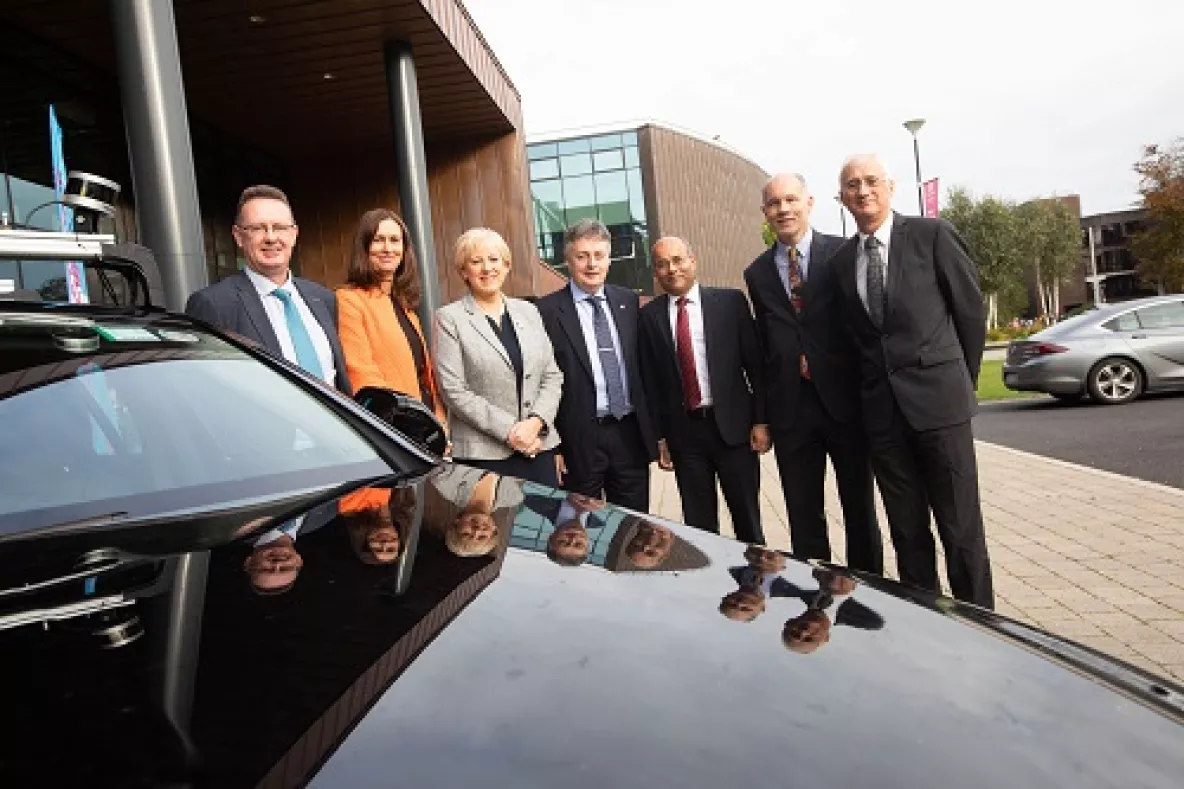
106,417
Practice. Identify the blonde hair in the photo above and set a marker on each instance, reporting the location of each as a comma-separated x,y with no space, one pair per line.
476,237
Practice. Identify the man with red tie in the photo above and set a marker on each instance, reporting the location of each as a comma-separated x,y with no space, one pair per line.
812,379
702,372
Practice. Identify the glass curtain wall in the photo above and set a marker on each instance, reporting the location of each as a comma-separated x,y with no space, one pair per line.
593,177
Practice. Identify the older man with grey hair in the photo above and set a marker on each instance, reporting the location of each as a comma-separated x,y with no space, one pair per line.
915,312
812,375
604,423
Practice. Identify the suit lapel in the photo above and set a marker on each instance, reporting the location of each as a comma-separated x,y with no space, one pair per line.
526,342
819,252
662,315
711,325
773,283
319,309
570,322
846,261
896,246
626,326
253,309
323,312
481,324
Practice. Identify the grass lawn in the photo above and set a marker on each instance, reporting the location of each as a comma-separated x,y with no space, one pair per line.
990,384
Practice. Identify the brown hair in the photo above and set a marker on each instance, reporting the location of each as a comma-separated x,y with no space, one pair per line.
361,274
259,192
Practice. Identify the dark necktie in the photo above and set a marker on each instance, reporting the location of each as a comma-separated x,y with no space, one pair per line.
685,349
794,275
875,281
609,364
795,279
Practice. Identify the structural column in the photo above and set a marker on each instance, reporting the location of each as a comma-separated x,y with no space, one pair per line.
159,147
411,169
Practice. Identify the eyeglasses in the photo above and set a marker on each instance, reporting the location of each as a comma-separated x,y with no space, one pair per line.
871,182
258,231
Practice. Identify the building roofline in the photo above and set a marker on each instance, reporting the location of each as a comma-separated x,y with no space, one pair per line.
488,49
633,125
1138,211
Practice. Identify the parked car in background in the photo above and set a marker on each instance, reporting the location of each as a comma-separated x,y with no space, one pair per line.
1113,353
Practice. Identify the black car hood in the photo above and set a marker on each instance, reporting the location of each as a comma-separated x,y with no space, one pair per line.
508,668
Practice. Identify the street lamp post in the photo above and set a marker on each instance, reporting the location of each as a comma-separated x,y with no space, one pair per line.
914,126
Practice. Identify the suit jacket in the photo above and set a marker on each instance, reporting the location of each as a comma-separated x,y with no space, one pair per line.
234,305
377,352
477,380
576,419
927,356
456,482
734,367
817,332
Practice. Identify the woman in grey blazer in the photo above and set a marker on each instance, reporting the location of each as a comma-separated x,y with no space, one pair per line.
495,369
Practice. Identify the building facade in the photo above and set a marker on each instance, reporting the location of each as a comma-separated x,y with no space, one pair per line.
346,106
1115,261
644,181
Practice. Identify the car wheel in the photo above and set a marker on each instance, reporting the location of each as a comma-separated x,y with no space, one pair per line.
1115,381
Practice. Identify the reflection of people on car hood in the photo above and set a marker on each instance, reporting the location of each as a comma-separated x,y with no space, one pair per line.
274,564
809,631
373,518
758,580
650,545
569,544
478,494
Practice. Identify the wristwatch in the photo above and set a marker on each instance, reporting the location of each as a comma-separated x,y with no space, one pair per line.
545,429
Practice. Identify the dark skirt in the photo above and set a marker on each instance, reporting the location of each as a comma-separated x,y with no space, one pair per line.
540,468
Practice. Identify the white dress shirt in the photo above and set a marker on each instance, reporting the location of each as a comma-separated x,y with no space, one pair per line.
781,258
698,339
290,529
584,307
275,313
884,233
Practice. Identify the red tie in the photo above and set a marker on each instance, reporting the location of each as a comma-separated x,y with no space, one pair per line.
686,357
795,297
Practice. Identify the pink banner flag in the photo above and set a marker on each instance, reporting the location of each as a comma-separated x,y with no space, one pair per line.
930,191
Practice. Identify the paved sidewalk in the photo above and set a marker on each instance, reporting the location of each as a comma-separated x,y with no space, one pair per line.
1090,555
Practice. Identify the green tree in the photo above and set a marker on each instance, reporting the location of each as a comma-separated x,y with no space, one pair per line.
1160,248
767,234
1050,238
989,227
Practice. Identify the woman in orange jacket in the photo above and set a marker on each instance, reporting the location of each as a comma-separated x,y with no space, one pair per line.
380,333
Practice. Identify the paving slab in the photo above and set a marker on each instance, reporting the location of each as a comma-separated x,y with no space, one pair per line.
1088,554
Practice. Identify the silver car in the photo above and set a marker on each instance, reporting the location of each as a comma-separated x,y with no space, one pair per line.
1114,353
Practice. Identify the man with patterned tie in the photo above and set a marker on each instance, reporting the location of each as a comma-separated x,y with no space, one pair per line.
603,420
915,312
291,318
703,372
812,380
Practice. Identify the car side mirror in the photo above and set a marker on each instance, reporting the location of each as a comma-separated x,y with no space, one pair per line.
406,414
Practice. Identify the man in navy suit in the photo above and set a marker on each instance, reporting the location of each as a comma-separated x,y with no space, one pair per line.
291,318
603,419
812,380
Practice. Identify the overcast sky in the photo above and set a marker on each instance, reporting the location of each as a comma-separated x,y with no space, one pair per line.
1021,98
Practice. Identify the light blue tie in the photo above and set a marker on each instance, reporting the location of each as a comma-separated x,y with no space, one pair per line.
306,352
